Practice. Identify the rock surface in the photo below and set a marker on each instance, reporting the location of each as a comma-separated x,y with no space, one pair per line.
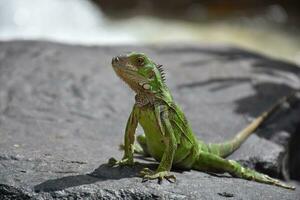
63,113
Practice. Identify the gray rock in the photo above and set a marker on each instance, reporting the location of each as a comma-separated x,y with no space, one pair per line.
63,113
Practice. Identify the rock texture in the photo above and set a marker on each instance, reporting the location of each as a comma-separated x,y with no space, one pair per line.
63,113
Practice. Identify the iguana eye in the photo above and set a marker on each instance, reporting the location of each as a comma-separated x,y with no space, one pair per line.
140,61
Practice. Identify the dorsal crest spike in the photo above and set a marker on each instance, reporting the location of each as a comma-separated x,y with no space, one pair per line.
161,71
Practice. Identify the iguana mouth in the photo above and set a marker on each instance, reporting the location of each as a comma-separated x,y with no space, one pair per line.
121,62
127,72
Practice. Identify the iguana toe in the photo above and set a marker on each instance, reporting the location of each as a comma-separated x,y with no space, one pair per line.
148,174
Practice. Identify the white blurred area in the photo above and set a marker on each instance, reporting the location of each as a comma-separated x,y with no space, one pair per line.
72,21
81,22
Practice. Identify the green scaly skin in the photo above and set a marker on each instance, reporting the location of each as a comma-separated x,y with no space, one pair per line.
168,137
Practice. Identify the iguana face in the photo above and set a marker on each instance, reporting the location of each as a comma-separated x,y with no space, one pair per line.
139,72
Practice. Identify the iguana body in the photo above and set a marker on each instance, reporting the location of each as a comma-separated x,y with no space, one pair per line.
168,136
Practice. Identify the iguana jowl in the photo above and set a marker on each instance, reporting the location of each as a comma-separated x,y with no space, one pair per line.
168,137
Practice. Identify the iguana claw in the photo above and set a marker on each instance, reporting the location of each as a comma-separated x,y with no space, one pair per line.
272,181
124,161
148,174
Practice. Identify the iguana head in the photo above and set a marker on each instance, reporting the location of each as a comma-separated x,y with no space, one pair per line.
139,72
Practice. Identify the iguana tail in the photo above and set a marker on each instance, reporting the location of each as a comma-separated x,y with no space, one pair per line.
227,148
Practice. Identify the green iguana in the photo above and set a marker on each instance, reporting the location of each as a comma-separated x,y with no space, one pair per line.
168,136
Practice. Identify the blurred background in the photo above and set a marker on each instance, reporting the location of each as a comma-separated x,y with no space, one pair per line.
269,27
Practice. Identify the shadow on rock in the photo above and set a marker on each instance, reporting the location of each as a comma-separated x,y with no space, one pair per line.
265,95
102,173
228,54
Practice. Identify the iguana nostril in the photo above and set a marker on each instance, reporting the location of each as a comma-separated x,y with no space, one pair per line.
115,59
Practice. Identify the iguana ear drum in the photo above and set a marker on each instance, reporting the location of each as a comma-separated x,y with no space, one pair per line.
146,86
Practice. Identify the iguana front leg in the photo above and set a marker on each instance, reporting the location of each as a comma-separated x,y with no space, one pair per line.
169,140
128,140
